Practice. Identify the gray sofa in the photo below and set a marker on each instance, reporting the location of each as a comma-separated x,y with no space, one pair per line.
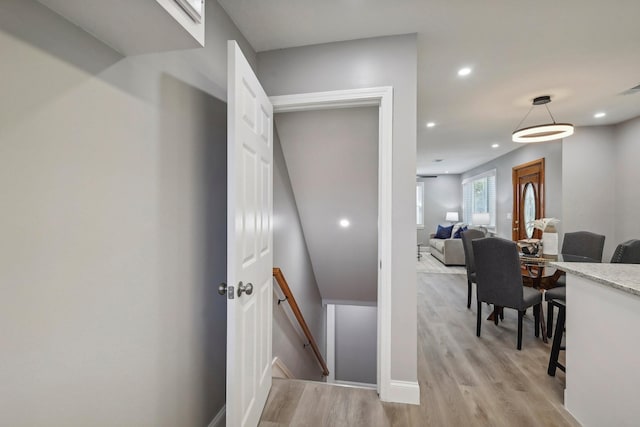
447,251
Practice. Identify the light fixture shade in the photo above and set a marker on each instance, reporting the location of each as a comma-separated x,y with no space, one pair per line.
481,219
541,133
452,216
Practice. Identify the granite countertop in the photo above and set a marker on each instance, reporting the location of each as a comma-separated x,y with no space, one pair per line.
625,277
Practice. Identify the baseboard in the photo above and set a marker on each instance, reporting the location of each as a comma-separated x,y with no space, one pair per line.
280,370
220,419
349,302
403,392
354,384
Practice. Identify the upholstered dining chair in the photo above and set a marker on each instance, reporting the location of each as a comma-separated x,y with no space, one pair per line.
580,243
583,243
467,237
499,281
627,252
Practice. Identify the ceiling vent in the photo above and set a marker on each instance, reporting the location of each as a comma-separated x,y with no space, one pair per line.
633,90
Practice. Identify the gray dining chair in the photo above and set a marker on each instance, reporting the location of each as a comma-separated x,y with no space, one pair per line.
467,237
580,243
499,281
583,243
627,252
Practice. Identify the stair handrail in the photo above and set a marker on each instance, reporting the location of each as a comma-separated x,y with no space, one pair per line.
284,286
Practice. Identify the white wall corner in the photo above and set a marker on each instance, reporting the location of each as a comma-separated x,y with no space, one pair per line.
220,420
402,392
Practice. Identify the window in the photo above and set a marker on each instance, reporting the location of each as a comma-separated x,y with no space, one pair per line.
420,204
479,196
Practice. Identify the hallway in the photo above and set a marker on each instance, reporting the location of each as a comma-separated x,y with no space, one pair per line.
464,381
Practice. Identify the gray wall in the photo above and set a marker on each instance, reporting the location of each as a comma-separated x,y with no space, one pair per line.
441,194
291,255
384,61
588,176
601,175
552,154
112,181
356,343
332,158
627,179
592,176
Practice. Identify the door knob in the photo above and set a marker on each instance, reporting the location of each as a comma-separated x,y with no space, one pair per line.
222,288
247,289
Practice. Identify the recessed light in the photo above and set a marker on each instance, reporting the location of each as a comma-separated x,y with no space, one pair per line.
599,115
446,171
430,124
437,160
495,145
464,71
344,223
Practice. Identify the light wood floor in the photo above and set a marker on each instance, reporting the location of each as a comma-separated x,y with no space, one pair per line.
464,380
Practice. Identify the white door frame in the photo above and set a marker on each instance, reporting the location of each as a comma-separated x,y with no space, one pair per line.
382,97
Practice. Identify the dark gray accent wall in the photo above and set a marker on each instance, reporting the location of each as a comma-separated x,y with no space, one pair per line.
291,255
383,61
553,155
113,225
441,194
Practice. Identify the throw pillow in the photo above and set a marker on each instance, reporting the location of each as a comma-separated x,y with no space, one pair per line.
458,234
444,232
456,227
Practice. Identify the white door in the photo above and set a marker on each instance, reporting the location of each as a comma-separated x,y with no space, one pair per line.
249,242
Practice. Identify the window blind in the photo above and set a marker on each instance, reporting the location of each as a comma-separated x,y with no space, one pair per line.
479,196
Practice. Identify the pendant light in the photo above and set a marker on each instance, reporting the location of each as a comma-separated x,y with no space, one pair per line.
544,132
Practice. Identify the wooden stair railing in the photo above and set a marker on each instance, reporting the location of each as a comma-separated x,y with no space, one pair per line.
282,282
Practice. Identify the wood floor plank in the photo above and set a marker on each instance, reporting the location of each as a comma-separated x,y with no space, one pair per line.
283,401
464,380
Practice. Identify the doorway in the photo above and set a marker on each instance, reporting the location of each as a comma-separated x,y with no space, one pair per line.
383,99
528,199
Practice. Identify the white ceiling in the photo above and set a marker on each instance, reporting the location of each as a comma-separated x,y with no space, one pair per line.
332,160
584,53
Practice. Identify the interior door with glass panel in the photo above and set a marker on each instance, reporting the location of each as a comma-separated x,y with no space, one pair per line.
249,242
528,199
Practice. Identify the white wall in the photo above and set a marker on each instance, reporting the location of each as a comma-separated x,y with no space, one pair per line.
355,343
384,61
553,169
332,158
291,255
441,195
112,181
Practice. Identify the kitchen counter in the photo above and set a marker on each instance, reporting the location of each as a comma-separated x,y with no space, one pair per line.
603,342
625,277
